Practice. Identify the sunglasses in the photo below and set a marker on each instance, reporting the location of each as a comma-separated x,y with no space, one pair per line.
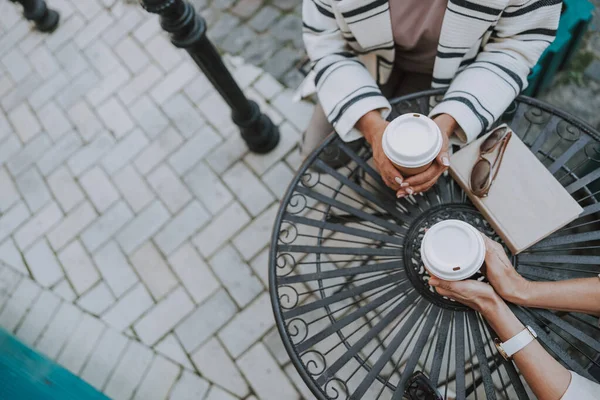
484,171
419,387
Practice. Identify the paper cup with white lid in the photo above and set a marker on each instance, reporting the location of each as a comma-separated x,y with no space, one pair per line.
412,142
452,250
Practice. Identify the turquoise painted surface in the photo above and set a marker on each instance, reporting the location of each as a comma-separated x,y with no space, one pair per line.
28,375
574,21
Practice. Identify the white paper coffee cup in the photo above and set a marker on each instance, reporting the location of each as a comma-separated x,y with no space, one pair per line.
452,250
412,142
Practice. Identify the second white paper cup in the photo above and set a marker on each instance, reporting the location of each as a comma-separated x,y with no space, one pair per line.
452,250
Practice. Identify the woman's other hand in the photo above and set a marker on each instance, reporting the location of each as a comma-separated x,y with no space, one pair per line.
501,274
426,179
372,125
478,295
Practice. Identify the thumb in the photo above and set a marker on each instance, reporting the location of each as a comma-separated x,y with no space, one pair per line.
438,283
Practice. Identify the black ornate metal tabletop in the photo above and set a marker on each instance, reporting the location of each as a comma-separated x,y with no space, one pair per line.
350,295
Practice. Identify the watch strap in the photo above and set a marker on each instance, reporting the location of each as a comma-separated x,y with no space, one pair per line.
517,342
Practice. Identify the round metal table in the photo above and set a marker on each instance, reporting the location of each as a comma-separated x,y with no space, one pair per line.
349,292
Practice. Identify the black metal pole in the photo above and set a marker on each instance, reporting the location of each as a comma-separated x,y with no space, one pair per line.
188,31
46,19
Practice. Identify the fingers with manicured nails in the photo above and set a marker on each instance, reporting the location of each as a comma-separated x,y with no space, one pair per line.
443,158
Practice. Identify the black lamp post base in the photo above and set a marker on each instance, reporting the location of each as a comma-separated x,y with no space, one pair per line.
45,19
49,22
260,133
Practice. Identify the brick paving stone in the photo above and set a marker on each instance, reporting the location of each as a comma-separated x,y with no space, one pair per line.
289,138
298,113
9,147
267,380
281,62
293,78
39,315
77,89
267,86
248,188
148,116
44,62
189,387
125,150
43,264
96,300
132,54
248,326
208,188
147,30
25,122
207,319
142,227
195,89
107,87
225,24
286,5
65,290
139,84
158,380
92,30
153,271
78,266
238,39
16,65
40,223
84,119
292,373
158,150
87,8
174,82
10,255
246,8
59,152
90,154
12,219
289,27
66,319
272,340
164,316
71,60
128,21
200,145
29,154
73,224
257,234
181,227
129,308
47,90
226,154
129,371
193,273
15,95
264,18
278,178
81,343
105,226
215,110
99,189
101,57
169,188
162,50
104,358
54,121
115,269
183,114
20,300
134,188
236,275
171,348
115,117
64,188
216,393
221,229
10,194
214,364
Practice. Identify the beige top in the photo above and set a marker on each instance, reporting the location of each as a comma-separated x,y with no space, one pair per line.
416,25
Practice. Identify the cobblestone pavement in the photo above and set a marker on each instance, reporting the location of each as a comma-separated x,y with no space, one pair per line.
133,223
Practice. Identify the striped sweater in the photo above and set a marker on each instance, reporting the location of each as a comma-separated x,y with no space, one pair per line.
486,50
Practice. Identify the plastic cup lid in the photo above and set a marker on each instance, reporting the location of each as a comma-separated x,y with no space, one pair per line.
412,140
452,250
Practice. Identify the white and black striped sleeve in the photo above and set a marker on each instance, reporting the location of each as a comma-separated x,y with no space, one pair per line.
345,88
480,93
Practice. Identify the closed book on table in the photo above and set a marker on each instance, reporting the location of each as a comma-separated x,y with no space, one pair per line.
525,203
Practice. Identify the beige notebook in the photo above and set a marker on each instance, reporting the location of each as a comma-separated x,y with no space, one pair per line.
525,203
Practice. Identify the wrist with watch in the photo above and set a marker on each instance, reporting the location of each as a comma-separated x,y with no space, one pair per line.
518,342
